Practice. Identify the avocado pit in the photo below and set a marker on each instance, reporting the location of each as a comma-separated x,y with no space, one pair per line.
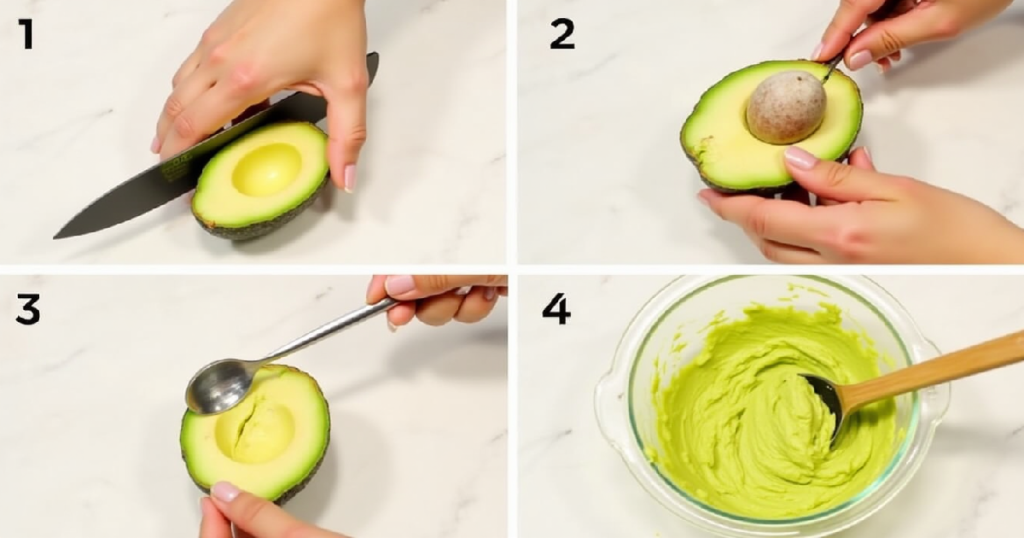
786,107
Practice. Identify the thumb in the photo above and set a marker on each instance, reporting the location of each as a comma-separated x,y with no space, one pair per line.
346,125
256,516
838,181
406,287
883,38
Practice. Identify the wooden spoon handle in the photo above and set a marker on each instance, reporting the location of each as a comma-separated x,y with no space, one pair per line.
989,355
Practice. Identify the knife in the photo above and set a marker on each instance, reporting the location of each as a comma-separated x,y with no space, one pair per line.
178,175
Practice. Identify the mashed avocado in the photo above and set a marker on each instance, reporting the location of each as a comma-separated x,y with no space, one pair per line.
742,432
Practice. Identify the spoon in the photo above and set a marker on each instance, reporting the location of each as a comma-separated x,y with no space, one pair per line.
844,400
221,385
881,13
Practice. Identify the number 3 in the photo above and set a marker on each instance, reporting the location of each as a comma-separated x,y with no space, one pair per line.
29,307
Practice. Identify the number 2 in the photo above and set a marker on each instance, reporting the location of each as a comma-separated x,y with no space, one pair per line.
30,307
569,28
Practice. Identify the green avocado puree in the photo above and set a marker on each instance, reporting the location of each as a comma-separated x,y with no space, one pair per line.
742,432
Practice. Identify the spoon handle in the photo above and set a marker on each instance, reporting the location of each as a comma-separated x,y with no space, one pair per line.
352,318
983,357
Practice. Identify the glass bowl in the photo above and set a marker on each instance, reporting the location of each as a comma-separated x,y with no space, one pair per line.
677,313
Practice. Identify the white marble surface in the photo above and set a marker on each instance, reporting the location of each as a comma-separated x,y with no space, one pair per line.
80,109
602,177
571,482
91,400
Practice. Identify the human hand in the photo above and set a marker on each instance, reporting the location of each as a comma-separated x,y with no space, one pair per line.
252,516
911,23
256,48
864,216
438,299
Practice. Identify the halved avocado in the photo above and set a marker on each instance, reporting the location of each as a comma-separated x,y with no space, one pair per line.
271,444
261,181
729,159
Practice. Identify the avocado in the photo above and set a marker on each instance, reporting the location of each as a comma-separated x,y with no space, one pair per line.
729,158
271,444
261,181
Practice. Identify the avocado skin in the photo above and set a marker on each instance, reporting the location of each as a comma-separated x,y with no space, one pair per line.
260,229
290,493
767,192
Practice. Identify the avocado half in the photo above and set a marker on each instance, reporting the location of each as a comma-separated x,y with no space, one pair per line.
261,181
730,160
271,444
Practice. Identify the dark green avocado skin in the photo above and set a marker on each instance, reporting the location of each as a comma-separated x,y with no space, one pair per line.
766,192
260,229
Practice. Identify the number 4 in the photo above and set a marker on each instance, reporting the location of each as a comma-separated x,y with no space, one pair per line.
562,314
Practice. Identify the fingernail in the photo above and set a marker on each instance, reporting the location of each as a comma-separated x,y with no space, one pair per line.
398,285
463,291
868,154
490,293
155,145
392,327
880,68
225,491
703,200
800,158
817,51
860,59
350,178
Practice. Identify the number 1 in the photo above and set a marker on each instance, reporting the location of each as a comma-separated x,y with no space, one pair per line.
27,23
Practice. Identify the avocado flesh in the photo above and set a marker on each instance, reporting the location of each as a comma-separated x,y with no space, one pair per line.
261,181
271,444
729,159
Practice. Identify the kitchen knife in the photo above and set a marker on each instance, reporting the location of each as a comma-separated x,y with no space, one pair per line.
178,175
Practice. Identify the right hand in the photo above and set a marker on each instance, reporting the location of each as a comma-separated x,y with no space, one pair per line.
913,22
438,299
252,516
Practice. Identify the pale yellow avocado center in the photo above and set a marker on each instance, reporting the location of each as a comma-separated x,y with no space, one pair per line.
267,170
257,432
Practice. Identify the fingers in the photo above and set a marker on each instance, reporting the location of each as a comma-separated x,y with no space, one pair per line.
885,39
477,305
782,253
781,221
187,68
346,127
199,118
213,524
840,182
407,287
849,16
257,516
184,94
440,309
860,158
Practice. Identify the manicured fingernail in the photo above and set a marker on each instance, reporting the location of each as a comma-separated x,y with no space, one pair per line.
702,199
860,59
867,154
399,285
463,291
800,158
155,145
392,327
225,491
817,52
350,178
490,293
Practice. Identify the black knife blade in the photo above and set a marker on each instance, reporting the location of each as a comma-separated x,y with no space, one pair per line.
178,175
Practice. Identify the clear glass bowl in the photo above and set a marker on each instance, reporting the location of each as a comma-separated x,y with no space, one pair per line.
626,415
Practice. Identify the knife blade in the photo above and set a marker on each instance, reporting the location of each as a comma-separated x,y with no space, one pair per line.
178,175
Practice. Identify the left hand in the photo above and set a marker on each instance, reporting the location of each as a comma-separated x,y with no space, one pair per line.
252,516
864,216
438,299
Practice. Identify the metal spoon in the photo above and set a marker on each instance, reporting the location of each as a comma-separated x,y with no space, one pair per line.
222,384
881,13
844,400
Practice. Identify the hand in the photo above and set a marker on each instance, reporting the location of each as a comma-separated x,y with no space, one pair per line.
438,299
256,48
252,516
864,216
911,23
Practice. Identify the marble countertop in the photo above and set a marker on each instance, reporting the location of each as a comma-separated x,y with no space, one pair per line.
79,111
92,400
602,176
572,483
